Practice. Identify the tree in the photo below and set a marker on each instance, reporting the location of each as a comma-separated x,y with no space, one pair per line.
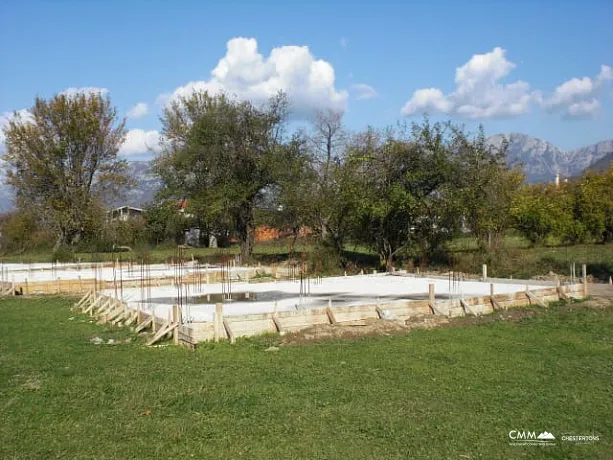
486,186
16,231
62,158
405,197
544,211
593,204
323,197
222,155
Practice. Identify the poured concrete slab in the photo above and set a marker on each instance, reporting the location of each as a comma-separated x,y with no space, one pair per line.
337,291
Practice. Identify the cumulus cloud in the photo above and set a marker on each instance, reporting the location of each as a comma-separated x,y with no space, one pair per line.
583,109
247,74
140,141
478,92
138,111
578,97
363,91
605,74
5,118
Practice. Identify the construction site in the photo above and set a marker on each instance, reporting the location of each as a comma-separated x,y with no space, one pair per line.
192,302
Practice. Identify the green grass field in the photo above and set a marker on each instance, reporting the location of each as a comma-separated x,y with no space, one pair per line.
452,393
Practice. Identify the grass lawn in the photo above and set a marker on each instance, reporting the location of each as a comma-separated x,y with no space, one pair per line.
452,393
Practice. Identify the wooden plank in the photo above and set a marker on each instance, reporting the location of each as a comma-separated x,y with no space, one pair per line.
161,333
331,316
467,308
562,294
495,305
280,329
534,299
435,310
83,300
228,329
90,309
145,324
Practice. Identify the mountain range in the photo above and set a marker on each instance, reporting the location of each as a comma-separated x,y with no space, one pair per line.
540,160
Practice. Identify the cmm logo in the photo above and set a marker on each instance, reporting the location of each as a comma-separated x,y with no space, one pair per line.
530,438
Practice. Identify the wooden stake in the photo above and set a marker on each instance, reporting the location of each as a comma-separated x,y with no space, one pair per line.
484,271
218,320
431,295
175,320
584,279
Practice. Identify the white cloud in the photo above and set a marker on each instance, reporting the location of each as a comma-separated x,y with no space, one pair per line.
138,111
570,91
583,109
478,93
363,91
140,141
605,74
86,89
5,118
249,75
578,97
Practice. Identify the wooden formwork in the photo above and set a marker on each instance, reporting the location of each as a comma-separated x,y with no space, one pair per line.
109,309
83,285
293,321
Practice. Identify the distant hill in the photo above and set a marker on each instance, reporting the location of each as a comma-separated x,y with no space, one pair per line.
542,161
603,164
147,185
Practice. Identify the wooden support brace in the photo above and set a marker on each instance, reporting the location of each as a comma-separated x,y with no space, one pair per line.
534,299
115,313
131,319
331,316
141,326
467,308
226,326
161,333
562,295
278,326
122,317
434,309
92,305
105,307
495,305
83,300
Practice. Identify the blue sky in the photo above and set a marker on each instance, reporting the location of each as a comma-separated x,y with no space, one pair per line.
541,68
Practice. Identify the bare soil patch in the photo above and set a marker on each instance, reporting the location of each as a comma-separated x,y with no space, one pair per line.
378,327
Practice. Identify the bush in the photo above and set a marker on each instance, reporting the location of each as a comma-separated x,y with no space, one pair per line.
16,231
62,254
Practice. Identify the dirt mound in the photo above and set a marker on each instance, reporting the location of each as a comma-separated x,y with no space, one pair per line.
368,327
322,332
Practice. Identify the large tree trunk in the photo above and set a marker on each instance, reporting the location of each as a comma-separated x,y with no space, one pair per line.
245,230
